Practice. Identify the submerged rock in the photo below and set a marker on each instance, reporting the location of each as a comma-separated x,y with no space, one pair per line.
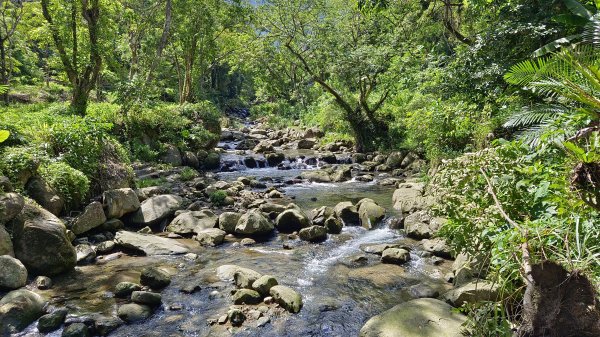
146,297
155,278
424,317
149,244
133,312
53,321
76,330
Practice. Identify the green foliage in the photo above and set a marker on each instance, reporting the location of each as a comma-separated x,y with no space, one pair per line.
150,182
534,191
70,184
187,174
218,197
19,163
4,134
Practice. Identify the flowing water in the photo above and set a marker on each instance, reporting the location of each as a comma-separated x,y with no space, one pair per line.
341,286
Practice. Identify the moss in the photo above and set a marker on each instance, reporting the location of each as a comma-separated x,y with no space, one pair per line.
71,184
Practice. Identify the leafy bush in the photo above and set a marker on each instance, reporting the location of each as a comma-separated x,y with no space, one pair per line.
19,163
72,185
218,197
534,191
149,182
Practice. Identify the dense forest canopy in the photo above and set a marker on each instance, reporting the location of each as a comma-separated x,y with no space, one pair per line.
499,98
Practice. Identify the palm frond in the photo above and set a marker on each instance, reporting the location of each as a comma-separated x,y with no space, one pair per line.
539,114
578,9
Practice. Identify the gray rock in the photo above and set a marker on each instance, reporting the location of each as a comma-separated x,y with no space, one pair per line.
246,296
190,159
41,243
155,278
287,297
370,213
263,147
146,297
85,253
307,143
245,278
395,256
76,330
394,160
228,221
211,237
149,244
247,242
423,291
92,217
13,273
378,248
18,309
471,293
193,222
11,204
333,225
124,289
409,199
313,234
347,213
319,215
44,195
424,317
133,312
5,185
421,225
43,282
120,202
264,284
6,245
317,176
53,321
106,325
112,225
105,247
292,220
274,159
236,317
437,247
171,155
156,209
262,321
341,173
253,223
272,208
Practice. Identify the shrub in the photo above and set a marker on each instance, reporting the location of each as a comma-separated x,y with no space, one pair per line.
187,174
19,163
218,197
149,182
72,185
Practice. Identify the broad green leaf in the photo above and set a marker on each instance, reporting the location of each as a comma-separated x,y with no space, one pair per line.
4,134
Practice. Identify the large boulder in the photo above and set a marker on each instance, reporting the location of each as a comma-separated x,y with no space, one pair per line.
245,277
370,213
13,274
11,205
40,241
466,267
18,309
421,225
471,293
409,198
274,159
341,173
307,143
264,284
228,221
149,244
333,225
156,209
437,247
6,245
292,220
120,202
395,255
155,278
193,222
425,317
43,194
394,160
287,297
254,223
347,212
92,217
246,296
264,146
313,234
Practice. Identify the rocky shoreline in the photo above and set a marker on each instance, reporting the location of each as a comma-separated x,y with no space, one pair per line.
182,217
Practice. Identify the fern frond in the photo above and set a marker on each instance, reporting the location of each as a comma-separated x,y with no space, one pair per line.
538,114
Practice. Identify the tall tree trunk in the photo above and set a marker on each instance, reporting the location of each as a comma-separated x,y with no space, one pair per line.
188,63
163,40
4,70
79,100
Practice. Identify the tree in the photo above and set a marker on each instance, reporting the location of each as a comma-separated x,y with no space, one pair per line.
348,50
11,13
82,74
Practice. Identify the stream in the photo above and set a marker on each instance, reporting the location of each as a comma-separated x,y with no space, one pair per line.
341,286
